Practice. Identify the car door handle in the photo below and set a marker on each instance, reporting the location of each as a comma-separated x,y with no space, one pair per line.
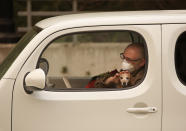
142,110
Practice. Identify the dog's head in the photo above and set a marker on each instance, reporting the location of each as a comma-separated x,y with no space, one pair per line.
124,78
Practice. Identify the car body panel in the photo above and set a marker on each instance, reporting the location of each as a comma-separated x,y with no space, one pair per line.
115,18
6,88
91,110
174,92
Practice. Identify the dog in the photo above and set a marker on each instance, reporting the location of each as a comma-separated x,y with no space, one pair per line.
124,77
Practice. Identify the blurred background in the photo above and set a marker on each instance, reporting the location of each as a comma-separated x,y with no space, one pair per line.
18,16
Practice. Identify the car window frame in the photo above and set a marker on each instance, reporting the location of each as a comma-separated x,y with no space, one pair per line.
94,28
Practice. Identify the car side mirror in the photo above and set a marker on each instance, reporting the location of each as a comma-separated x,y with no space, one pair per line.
34,80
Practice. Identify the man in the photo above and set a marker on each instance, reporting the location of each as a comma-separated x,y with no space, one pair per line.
134,55
133,62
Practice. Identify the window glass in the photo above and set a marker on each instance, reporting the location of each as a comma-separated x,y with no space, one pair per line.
94,60
180,57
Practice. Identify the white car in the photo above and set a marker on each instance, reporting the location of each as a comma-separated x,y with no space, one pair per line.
42,86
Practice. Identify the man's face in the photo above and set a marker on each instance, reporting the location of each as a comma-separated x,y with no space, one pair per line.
134,57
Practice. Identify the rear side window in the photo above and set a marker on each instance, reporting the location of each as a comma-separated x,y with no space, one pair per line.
180,57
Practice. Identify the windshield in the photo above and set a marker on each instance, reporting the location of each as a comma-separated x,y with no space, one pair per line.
17,50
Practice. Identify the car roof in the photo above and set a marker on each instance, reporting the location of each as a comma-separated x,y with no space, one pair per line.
113,18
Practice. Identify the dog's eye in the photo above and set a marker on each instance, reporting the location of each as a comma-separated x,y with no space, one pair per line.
121,77
127,78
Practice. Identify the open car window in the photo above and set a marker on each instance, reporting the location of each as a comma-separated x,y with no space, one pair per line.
75,61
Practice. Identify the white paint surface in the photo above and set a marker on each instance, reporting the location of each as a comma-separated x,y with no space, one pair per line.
6,88
174,92
103,110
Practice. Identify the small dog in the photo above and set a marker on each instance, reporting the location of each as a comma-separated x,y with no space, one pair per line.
124,78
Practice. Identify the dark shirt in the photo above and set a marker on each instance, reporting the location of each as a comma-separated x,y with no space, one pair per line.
98,81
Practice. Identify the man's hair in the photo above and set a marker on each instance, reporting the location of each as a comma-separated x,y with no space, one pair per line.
138,46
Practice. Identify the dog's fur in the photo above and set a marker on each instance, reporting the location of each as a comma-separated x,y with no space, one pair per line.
125,78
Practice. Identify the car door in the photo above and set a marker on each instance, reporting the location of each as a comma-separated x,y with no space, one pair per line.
174,88
134,109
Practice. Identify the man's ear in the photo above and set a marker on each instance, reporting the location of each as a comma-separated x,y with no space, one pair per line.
142,63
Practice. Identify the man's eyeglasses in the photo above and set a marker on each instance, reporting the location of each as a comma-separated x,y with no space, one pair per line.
128,59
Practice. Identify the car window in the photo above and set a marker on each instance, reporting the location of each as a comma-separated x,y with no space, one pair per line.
95,60
180,57
17,50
